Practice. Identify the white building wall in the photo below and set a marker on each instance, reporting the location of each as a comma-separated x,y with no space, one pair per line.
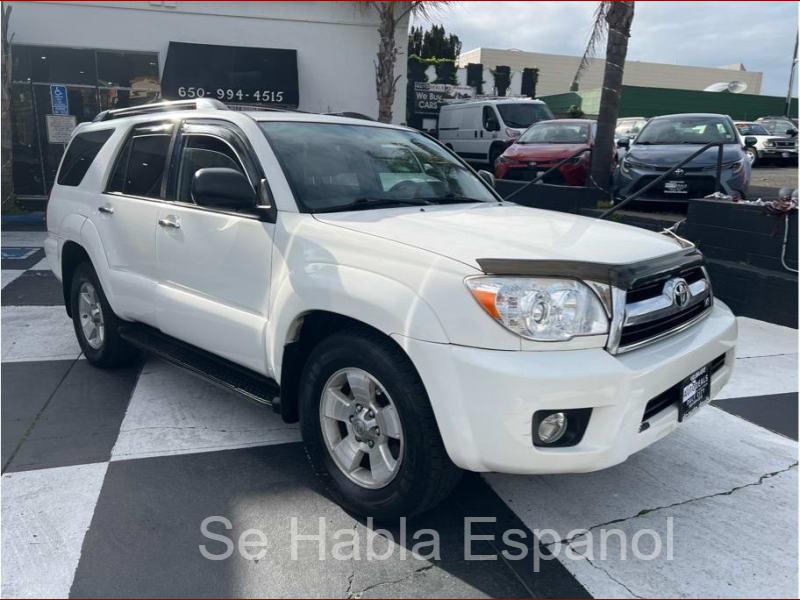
336,42
556,71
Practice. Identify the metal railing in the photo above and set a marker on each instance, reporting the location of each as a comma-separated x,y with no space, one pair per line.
670,171
550,170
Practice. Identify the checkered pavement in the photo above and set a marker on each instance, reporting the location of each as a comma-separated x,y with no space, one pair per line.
108,475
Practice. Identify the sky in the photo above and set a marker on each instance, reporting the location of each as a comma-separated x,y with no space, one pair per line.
706,34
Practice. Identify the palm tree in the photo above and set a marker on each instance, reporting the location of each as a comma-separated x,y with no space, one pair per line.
613,21
389,15
5,109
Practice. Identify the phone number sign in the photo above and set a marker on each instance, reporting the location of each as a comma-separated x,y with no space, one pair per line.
234,74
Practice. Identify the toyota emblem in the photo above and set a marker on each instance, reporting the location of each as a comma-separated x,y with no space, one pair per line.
680,293
678,172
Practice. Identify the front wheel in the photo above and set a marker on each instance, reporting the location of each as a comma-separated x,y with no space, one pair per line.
369,429
96,325
752,155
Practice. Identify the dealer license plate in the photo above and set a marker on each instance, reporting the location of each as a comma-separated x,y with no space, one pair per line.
675,187
695,392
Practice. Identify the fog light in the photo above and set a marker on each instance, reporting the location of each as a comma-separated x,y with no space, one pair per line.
552,428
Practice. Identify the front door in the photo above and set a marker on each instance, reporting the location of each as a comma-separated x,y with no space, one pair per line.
214,264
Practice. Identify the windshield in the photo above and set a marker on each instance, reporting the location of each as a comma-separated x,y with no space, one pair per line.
553,132
629,127
751,129
333,167
687,130
523,115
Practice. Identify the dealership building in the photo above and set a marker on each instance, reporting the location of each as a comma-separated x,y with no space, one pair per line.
556,71
70,60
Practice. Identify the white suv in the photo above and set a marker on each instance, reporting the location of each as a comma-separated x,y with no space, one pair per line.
361,278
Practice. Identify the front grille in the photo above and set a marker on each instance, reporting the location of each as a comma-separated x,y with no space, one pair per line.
529,174
633,334
651,311
785,144
673,394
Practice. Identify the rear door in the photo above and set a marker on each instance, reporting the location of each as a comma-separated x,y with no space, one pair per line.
214,263
125,217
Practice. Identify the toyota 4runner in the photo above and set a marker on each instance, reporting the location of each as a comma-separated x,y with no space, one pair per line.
362,279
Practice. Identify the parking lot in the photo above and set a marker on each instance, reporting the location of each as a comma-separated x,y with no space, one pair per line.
109,477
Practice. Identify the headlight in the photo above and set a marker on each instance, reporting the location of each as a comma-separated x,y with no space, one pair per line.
734,166
628,164
769,143
505,160
541,309
513,132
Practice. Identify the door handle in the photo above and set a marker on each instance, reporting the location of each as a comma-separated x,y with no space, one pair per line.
107,209
170,221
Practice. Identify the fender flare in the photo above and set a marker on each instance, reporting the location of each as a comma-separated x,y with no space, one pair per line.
376,300
91,242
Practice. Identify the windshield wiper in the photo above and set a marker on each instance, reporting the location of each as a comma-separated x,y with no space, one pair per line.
367,203
449,199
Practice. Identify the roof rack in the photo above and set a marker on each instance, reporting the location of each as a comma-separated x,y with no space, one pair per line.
157,107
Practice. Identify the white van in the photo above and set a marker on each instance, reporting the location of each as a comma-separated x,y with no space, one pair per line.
478,130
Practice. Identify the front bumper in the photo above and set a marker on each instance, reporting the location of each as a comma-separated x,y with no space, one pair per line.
484,400
773,152
700,183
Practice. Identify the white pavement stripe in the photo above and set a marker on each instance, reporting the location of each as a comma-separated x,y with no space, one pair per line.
759,338
37,333
761,376
46,514
23,238
690,473
42,265
8,276
174,412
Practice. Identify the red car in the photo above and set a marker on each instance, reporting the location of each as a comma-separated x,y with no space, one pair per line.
544,144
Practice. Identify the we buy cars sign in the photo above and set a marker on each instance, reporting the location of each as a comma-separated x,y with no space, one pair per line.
429,97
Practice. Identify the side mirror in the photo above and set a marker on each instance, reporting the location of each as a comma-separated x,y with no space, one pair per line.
623,142
750,141
487,177
222,187
791,132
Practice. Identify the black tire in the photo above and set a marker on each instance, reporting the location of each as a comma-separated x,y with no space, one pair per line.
425,476
494,154
113,351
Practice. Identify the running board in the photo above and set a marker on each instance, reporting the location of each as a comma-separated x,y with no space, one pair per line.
209,366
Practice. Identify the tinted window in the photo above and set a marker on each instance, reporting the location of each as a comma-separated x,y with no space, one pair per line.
140,167
80,154
523,115
201,152
349,167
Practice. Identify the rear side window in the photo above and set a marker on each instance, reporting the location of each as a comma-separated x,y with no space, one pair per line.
80,154
140,168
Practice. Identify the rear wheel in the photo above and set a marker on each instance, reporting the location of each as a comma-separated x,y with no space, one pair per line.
96,325
369,429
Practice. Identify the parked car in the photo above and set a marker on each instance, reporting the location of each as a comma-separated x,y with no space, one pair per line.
667,140
480,130
784,126
629,127
543,145
413,322
767,146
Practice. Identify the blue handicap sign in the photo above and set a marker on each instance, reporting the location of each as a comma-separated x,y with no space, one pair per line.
58,99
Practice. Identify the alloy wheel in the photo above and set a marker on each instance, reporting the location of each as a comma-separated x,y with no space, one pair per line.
91,315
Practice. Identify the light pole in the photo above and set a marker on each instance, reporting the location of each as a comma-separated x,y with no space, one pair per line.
791,79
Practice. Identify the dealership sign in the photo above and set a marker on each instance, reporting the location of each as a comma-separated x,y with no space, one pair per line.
232,74
429,97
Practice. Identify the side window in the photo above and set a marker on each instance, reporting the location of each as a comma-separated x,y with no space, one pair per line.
80,154
490,122
201,152
140,166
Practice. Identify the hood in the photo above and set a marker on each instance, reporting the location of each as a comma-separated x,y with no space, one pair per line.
526,152
667,155
466,232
